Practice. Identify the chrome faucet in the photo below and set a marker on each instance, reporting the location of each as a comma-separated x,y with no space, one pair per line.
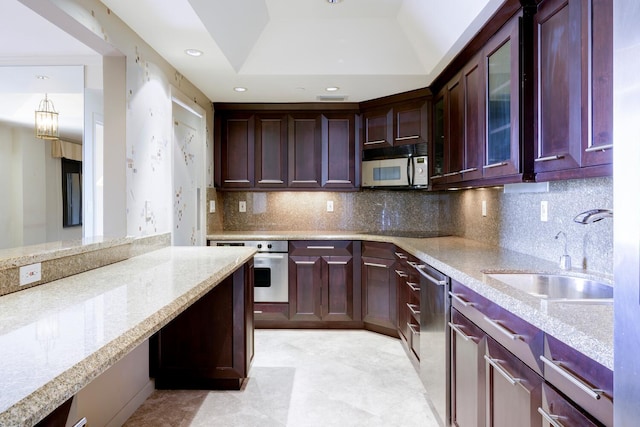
565,259
593,215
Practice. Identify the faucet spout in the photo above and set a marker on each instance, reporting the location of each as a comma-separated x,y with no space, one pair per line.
593,215
565,259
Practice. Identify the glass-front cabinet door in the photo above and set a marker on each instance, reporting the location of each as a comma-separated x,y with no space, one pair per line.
502,100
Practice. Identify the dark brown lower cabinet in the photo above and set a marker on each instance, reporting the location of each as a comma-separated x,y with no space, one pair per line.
559,410
379,303
210,344
467,372
322,282
514,391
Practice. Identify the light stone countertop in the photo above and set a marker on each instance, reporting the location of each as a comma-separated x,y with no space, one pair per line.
24,255
55,338
585,327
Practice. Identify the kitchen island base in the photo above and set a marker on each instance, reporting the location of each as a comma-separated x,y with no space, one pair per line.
209,345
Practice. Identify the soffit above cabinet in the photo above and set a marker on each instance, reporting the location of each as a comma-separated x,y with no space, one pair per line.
290,51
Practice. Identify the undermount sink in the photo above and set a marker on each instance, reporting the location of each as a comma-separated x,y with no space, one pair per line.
557,287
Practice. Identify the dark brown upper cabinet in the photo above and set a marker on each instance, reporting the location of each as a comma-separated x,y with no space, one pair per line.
573,118
236,150
378,128
271,150
411,122
476,117
338,150
502,103
268,147
305,150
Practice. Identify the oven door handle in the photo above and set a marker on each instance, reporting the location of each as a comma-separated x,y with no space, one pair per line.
270,256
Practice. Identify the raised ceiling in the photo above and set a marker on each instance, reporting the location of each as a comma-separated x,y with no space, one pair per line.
292,50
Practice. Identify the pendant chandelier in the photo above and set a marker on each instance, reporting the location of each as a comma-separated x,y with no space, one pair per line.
46,120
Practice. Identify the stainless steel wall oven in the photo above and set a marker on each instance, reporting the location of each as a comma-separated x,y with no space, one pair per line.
271,269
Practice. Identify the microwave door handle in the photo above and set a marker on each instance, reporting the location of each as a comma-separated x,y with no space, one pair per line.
409,172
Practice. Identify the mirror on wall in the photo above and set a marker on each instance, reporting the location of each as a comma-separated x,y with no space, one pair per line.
32,169
32,65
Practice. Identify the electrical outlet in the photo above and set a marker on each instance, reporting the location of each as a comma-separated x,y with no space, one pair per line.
484,208
329,205
242,206
544,211
30,273
212,206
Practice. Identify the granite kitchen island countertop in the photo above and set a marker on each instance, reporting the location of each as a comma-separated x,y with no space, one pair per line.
57,337
586,327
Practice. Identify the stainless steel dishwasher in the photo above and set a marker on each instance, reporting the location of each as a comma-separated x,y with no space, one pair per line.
435,340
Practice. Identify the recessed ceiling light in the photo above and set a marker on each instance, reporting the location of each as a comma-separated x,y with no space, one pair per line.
240,89
332,88
40,77
193,52
333,1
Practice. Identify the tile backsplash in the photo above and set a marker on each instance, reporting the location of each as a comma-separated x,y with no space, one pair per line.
512,220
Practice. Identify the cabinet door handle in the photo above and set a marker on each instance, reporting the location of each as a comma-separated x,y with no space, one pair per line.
464,303
494,362
404,138
452,173
502,329
468,170
459,332
373,264
414,286
401,255
429,277
258,257
413,328
377,141
549,158
494,165
305,262
413,310
321,247
338,181
337,262
235,181
270,181
304,181
598,148
401,273
551,419
566,374
412,264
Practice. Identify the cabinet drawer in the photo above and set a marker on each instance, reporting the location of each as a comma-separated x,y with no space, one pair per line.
521,338
557,408
320,247
378,250
582,379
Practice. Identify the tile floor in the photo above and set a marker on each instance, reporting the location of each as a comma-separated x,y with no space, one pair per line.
306,378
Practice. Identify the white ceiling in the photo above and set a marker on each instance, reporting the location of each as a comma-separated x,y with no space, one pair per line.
280,50
291,50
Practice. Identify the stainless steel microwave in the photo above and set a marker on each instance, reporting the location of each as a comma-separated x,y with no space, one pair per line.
404,166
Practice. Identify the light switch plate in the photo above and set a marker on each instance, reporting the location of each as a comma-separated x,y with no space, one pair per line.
30,273
329,205
484,208
242,206
544,211
212,206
